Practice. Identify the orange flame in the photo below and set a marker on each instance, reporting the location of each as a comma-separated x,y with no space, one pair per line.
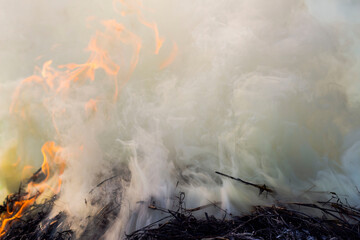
51,154
171,57
58,80
135,7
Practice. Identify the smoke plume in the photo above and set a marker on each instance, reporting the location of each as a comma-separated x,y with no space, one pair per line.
262,90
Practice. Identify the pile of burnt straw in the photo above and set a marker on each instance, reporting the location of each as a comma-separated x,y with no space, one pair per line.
332,219
337,220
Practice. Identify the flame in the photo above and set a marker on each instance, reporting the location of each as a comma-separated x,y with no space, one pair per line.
52,182
59,79
171,57
135,7
158,40
56,81
128,38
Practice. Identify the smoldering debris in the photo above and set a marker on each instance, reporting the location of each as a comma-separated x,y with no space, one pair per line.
332,219
265,222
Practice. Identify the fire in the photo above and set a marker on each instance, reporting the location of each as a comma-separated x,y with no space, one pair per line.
135,8
52,168
171,57
57,81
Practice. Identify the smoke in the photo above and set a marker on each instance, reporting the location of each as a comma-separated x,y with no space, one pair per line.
265,91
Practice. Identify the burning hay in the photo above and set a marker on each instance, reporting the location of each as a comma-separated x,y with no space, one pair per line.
34,223
19,220
332,219
166,93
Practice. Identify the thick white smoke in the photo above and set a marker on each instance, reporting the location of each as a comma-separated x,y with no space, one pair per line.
262,90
